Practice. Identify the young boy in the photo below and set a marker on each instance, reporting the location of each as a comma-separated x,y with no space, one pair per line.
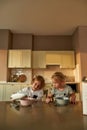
60,89
34,92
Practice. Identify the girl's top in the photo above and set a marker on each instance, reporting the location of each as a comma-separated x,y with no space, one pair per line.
66,92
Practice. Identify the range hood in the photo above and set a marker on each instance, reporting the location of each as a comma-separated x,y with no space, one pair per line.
53,65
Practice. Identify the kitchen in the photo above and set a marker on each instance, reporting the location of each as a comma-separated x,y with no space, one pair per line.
43,60
50,50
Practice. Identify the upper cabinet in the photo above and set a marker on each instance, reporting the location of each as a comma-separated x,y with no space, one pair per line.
66,59
53,58
19,59
39,59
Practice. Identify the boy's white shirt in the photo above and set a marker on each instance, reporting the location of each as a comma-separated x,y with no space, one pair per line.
28,92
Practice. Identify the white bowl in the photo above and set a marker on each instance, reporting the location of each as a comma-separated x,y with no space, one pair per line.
25,102
61,102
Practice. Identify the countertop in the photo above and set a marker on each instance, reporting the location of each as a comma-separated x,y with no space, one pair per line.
42,116
14,83
25,83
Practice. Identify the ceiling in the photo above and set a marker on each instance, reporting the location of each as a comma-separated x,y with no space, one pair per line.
43,17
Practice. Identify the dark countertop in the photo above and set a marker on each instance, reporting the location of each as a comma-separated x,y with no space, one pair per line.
42,116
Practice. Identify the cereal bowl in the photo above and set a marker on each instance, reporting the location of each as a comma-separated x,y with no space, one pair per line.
25,102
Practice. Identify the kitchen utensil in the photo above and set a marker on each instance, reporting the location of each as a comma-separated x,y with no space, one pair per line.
14,78
22,78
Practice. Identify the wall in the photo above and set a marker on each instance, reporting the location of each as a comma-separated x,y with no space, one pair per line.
21,41
10,40
48,72
80,45
3,65
5,39
76,46
52,43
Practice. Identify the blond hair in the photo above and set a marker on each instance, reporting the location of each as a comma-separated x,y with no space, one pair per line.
59,76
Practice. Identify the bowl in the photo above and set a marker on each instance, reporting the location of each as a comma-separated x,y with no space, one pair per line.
62,101
25,102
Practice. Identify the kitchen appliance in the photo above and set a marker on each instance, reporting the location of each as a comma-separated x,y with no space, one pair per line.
84,96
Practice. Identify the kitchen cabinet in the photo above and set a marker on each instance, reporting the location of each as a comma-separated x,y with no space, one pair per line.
3,65
53,58
10,89
7,89
1,92
26,59
19,59
39,59
67,59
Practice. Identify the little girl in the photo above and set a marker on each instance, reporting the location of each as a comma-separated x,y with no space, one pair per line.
60,89
35,92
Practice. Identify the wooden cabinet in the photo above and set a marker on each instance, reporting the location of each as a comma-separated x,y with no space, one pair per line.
39,59
3,65
53,58
6,90
26,59
67,59
1,92
14,58
19,59
10,89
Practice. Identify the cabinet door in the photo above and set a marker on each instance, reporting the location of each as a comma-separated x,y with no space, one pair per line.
53,58
10,89
14,58
1,92
19,59
39,59
68,59
26,59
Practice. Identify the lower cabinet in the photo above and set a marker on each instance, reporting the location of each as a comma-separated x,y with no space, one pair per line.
7,89
1,92
10,89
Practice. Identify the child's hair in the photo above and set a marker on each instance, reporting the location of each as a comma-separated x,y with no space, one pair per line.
59,75
39,78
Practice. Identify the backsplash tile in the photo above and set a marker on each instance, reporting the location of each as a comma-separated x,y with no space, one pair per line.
48,72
